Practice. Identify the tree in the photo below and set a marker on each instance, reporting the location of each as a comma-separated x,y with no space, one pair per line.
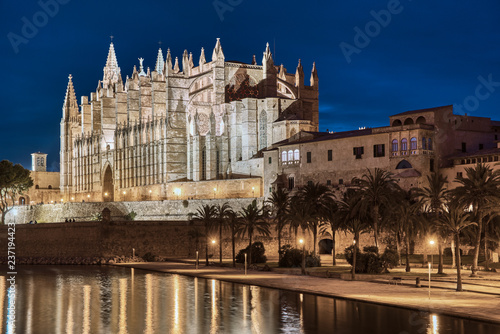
233,222
476,191
206,215
221,216
298,215
334,223
432,197
354,219
377,190
319,198
279,201
453,221
252,221
407,215
14,181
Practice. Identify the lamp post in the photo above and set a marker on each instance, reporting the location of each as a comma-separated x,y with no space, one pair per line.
253,191
213,244
197,259
215,190
430,268
150,191
301,241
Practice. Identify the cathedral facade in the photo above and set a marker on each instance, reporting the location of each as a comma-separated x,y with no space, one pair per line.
194,132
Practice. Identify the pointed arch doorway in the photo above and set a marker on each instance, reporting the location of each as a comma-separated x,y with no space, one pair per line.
107,185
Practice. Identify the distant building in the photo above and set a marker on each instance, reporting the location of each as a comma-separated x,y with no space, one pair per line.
45,184
415,144
171,133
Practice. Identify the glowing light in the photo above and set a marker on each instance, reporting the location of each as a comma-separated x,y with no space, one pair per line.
213,241
435,327
150,191
431,242
301,241
177,191
124,193
105,194
72,198
61,200
88,196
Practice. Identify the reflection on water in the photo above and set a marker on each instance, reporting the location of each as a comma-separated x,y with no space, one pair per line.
75,299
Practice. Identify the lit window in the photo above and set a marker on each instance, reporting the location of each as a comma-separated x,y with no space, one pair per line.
296,155
283,156
413,143
404,144
290,155
395,145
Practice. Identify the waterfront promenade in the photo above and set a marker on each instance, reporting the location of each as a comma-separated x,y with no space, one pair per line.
480,301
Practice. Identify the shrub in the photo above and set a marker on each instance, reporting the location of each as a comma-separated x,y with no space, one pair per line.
148,257
258,253
96,216
292,258
131,215
390,257
367,261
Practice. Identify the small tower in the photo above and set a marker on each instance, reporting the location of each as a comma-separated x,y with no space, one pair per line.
39,162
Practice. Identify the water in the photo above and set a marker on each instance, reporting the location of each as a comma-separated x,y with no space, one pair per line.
93,299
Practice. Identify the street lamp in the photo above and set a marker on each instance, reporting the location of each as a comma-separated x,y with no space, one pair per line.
177,192
150,191
215,190
253,190
213,248
301,241
430,268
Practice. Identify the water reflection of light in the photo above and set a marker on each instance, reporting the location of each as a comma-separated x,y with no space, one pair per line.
245,305
69,316
255,313
176,304
301,311
435,327
29,311
215,310
149,304
86,309
59,303
122,317
2,299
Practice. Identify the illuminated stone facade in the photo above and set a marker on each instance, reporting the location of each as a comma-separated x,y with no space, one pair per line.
168,133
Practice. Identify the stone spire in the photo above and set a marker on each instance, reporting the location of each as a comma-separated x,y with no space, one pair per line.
202,57
176,65
314,76
70,106
299,76
282,72
160,63
111,70
254,60
268,57
168,62
217,53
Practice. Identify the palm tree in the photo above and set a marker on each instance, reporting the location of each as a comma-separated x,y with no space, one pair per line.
477,190
432,197
253,220
233,222
334,223
407,215
221,215
206,215
196,234
453,221
279,201
377,190
298,215
319,198
353,217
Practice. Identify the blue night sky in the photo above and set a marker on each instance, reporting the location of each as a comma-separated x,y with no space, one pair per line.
423,54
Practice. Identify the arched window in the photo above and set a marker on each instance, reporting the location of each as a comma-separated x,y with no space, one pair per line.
403,165
404,144
424,143
37,187
50,187
283,156
290,155
296,155
397,122
429,144
413,143
394,145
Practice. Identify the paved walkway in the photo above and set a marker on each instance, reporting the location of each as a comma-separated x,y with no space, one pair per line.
481,301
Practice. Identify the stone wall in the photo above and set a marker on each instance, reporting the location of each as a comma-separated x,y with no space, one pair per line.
171,210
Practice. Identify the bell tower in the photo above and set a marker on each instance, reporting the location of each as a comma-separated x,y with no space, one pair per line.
38,162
